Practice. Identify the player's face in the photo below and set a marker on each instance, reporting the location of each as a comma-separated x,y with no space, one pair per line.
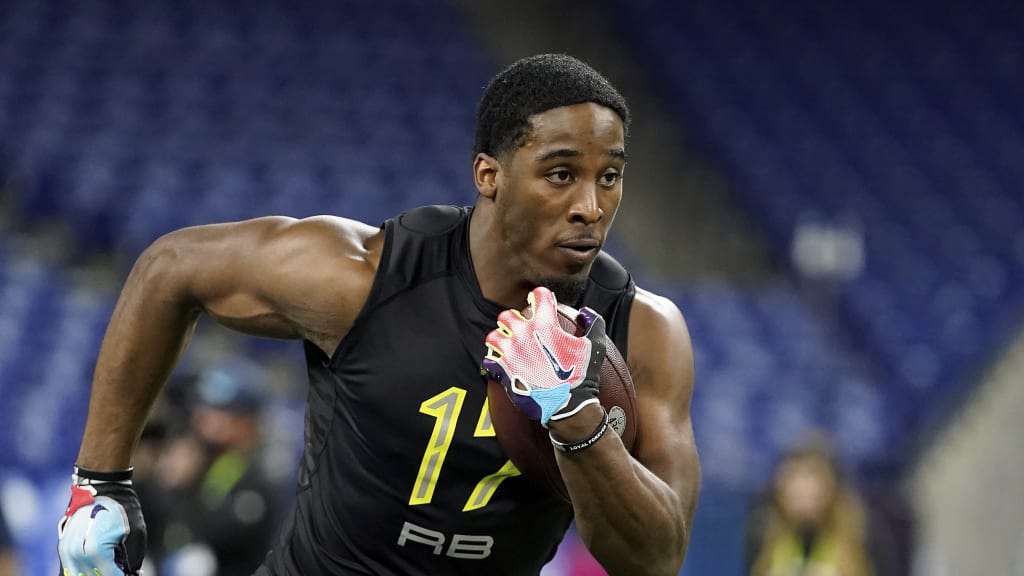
559,192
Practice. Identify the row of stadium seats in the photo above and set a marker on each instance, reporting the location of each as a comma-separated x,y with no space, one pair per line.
50,329
900,118
770,367
283,108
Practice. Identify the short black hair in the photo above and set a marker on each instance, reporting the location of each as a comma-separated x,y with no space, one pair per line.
534,85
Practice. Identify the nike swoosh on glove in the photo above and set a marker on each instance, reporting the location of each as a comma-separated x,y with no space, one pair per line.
548,373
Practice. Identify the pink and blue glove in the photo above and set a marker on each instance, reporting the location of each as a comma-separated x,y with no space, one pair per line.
548,373
102,532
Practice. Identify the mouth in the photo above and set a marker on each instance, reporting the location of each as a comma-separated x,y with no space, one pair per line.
580,249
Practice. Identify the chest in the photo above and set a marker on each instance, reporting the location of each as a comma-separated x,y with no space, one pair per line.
411,382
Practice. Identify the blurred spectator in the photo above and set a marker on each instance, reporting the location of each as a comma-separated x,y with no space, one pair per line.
8,559
220,509
146,480
814,522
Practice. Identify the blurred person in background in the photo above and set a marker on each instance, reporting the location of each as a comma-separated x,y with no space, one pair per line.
148,486
220,509
8,552
169,420
814,523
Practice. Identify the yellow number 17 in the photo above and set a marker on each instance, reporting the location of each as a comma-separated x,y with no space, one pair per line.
445,408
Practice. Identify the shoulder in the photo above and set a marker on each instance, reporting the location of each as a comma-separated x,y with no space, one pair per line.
315,246
430,220
328,234
659,341
317,234
657,310
325,247
421,243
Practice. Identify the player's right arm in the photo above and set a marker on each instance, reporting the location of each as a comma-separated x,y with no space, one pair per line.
276,277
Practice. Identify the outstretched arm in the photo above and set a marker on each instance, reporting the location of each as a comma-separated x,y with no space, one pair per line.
276,277
634,514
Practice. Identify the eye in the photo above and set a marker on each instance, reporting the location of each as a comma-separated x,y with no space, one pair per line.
610,179
560,176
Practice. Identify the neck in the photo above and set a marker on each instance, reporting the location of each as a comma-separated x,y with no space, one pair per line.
493,266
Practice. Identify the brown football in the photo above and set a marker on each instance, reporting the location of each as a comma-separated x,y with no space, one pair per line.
526,442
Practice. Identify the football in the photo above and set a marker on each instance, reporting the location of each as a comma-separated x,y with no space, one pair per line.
526,442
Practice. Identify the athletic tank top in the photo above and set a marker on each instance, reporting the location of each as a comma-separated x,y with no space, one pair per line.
401,472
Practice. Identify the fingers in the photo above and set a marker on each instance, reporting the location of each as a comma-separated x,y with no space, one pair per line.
79,567
89,537
496,342
543,304
545,312
510,320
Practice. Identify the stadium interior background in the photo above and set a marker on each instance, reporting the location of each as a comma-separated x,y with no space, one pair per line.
830,191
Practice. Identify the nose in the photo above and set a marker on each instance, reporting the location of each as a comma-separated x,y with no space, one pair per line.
585,208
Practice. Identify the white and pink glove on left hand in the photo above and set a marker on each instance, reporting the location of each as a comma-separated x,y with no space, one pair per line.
548,373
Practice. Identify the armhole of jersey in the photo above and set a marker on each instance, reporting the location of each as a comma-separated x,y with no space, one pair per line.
620,334
372,299
618,290
426,221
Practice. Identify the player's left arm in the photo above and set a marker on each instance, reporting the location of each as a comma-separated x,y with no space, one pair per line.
635,513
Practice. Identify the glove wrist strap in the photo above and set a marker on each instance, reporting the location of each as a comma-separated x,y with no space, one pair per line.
584,444
86,477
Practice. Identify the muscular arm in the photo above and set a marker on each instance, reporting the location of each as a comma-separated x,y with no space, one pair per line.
634,514
276,277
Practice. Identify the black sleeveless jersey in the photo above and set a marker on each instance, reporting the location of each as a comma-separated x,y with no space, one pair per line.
401,472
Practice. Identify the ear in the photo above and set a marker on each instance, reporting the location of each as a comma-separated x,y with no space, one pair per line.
485,174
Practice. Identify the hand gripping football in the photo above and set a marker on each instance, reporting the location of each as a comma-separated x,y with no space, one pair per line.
526,442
